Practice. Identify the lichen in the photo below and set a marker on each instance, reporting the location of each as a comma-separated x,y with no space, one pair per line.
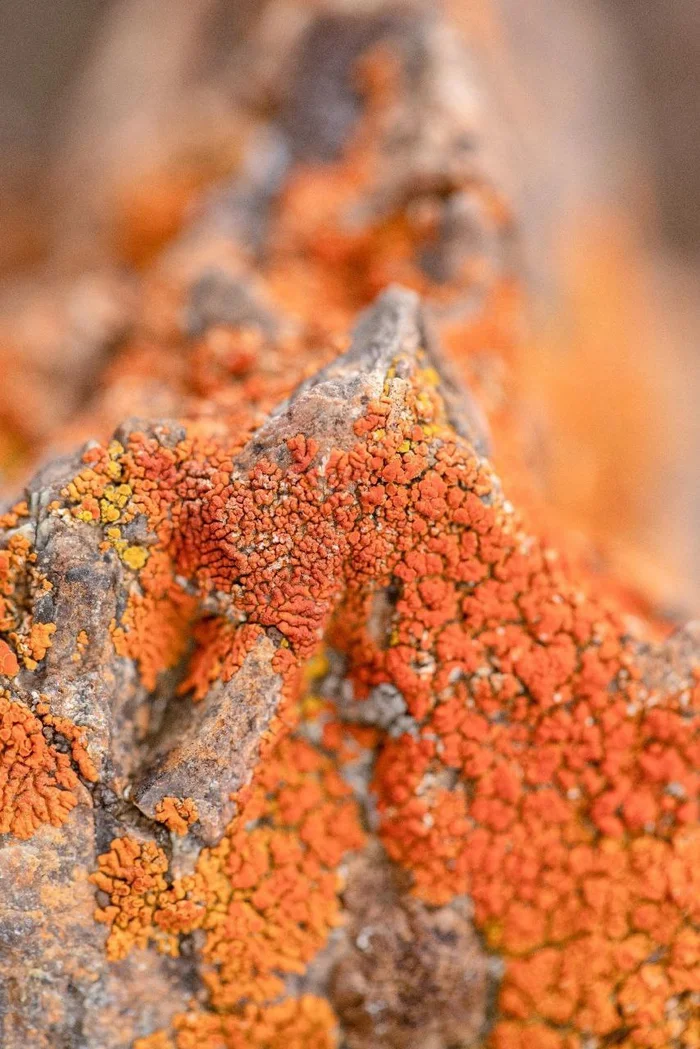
295,1023
178,814
131,874
20,583
154,628
38,783
532,770
572,818
266,898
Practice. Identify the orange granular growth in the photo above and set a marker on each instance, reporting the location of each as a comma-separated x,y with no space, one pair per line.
8,660
542,777
274,873
20,582
267,894
178,814
37,782
40,641
572,821
266,897
221,647
159,1040
295,1023
14,561
574,792
154,628
132,875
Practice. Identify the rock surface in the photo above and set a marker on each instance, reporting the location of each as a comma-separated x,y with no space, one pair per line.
308,736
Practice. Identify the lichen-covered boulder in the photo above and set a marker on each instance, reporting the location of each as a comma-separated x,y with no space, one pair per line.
312,733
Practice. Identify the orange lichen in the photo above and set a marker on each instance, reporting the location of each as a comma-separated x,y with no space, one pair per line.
8,660
154,628
20,583
81,644
295,1023
12,517
178,814
37,781
221,647
541,777
267,895
575,798
39,641
73,734
269,888
266,898
158,1040
573,812
132,876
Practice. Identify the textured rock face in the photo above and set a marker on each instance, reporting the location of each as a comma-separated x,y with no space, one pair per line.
308,735
411,975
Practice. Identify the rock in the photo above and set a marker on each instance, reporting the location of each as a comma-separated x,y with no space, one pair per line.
412,976
309,735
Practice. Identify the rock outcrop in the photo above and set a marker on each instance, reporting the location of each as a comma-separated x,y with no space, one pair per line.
312,734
